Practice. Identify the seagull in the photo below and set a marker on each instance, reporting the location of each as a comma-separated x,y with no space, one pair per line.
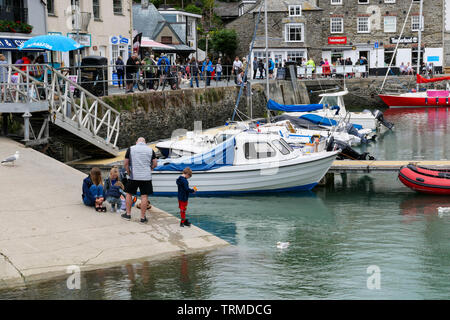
11,158
282,245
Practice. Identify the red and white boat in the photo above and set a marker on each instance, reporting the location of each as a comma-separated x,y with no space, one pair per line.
429,98
425,180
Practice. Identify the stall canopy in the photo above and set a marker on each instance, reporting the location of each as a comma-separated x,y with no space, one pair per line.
146,42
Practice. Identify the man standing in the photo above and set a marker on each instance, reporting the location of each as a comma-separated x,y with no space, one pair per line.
237,65
208,67
255,67
140,160
131,69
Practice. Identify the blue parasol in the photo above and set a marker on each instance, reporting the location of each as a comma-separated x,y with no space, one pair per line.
52,43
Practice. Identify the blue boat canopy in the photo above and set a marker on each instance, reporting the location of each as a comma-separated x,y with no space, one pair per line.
316,119
222,155
272,105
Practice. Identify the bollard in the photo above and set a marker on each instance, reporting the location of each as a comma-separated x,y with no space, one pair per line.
26,123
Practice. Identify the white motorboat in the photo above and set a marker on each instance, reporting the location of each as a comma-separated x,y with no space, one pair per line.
332,107
250,162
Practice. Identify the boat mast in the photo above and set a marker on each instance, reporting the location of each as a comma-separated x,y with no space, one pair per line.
396,47
267,59
419,45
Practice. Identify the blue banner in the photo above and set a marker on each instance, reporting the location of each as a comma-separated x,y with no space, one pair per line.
8,43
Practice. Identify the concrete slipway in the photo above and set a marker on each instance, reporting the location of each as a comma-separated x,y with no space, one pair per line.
44,227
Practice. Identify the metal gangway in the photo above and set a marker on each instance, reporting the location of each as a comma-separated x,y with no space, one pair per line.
47,98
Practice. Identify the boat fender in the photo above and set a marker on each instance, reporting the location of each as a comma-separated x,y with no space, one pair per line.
437,100
426,100
446,100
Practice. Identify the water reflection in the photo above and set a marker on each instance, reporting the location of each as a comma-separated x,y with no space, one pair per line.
419,134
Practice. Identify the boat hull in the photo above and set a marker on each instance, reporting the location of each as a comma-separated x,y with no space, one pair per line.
396,101
291,175
417,180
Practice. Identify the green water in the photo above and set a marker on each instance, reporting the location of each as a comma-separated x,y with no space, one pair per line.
335,234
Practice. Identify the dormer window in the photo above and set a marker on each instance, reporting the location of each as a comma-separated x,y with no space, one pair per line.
295,10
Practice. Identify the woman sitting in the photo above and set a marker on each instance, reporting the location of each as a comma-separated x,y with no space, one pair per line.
93,194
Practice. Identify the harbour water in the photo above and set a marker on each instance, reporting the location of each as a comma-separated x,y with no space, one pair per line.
335,235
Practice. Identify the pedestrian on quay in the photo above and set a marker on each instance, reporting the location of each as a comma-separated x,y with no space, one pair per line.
3,72
131,69
237,64
219,70
120,69
261,69
207,68
402,69
93,190
183,195
115,195
194,72
255,67
140,160
271,68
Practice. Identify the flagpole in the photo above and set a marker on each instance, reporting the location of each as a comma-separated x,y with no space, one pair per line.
267,59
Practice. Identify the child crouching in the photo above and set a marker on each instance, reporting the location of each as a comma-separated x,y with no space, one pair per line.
114,194
183,195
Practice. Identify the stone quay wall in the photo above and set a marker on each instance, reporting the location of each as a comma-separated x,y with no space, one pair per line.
155,115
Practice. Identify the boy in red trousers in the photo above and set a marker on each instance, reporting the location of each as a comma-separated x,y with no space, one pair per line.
183,195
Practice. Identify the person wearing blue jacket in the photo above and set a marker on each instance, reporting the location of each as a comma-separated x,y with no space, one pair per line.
164,65
271,68
114,194
93,190
183,195
207,65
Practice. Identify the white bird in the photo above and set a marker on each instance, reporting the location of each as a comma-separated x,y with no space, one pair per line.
12,158
282,245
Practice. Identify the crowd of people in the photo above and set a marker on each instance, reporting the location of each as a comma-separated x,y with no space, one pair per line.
120,188
189,71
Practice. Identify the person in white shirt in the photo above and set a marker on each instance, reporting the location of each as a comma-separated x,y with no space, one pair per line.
237,64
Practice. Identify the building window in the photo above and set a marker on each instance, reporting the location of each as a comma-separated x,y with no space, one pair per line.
363,1
363,25
189,28
295,11
241,10
295,56
337,25
51,7
415,23
390,24
294,32
334,2
96,8
117,6
166,40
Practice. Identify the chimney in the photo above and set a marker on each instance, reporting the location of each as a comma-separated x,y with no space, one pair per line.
144,4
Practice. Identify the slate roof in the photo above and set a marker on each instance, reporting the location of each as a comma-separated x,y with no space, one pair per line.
227,9
148,21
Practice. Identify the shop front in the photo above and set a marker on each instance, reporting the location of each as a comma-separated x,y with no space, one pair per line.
9,47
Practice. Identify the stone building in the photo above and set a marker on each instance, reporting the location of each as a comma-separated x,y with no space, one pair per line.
294,29
335,29
354,28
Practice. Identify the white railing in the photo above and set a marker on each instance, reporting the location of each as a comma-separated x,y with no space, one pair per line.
68,102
